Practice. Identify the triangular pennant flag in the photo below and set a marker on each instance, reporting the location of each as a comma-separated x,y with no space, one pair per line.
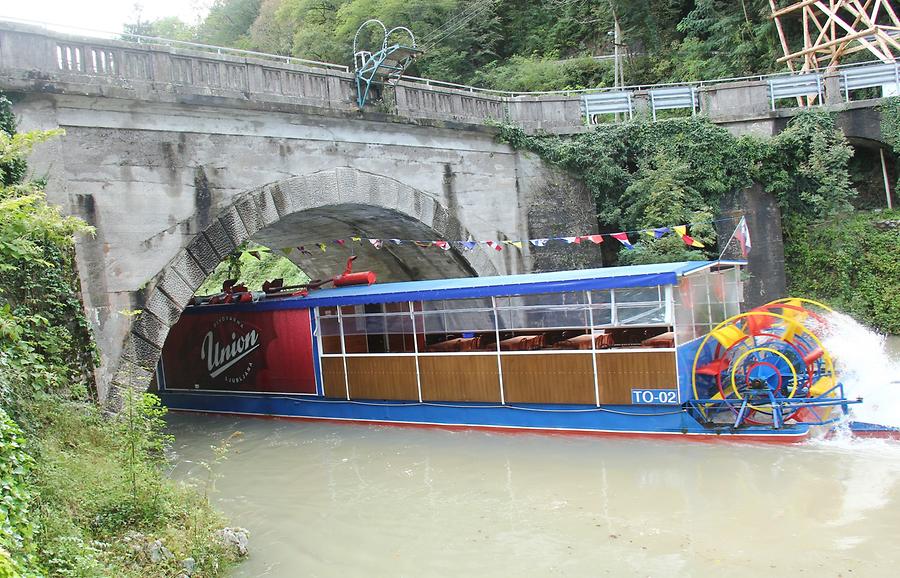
340,242
494,245
595,239
688,240
442,245
356,239
516,244
467,245
323,246
692,242
303,250
422,244
623,238
376,243
539,242
255,254
571,240
742,233
395,241
660,231
287,250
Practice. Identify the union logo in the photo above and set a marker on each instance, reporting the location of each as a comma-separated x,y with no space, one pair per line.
227,349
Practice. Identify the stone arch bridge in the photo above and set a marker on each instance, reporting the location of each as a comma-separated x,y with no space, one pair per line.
178,156
175,177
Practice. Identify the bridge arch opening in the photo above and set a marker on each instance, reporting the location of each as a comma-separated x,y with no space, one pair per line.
306,210
873,172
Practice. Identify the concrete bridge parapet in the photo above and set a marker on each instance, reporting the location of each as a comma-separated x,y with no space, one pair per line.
34,59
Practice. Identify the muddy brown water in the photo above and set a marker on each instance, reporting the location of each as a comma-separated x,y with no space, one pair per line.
334,500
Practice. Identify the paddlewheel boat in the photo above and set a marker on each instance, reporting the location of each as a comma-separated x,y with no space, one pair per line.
648,350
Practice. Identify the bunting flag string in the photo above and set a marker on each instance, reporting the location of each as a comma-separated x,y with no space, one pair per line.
623,238
741,234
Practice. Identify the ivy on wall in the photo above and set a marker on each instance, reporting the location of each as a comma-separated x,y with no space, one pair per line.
853,265
646,174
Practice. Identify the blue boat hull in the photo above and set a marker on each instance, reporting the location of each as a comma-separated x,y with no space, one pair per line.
650,420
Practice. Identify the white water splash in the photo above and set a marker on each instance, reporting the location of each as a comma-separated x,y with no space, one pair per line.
866,370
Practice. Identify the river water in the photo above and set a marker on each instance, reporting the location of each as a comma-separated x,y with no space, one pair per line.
326,500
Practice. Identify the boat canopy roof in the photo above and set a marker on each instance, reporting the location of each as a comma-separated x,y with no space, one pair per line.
467,287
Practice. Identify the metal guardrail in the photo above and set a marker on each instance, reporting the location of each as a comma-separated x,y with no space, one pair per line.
795,85
674,97
606,103
871,76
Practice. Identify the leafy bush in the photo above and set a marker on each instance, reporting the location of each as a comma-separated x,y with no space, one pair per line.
68,504
253,272
648,174
17,547
806,167
850,263
522,74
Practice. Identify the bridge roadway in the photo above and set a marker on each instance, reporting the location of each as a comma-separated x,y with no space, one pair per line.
178,156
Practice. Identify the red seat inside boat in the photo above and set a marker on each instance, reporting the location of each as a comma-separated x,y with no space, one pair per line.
522,343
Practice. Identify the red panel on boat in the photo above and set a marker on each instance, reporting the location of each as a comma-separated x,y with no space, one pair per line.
269,351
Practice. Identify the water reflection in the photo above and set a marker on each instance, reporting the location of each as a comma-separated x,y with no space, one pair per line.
345,500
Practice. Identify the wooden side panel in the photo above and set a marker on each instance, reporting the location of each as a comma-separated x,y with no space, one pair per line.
549,378
382,377
333,377
460,378
617,373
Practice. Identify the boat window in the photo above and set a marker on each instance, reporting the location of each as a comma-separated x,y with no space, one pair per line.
602,315
457,304
641,314
624,317
542,299
574,317
330,331
638,294
457,322
601,296
705,299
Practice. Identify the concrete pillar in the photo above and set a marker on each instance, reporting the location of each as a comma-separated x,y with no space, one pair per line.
767,279
833,94
641,101
735,100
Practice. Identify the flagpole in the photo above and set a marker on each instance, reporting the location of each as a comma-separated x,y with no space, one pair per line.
733,233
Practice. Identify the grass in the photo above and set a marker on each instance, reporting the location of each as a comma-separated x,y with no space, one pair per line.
89,520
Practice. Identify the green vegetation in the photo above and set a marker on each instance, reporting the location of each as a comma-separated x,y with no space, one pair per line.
854,265
253,271
646,174
511,44
81,494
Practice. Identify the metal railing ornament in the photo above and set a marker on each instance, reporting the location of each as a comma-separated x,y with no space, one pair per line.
384,65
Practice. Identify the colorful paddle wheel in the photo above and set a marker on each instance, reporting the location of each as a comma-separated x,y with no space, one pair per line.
767,367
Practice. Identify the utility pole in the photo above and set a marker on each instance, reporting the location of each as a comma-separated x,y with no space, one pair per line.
618,79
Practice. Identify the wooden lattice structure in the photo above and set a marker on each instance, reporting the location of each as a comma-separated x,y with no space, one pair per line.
834,29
